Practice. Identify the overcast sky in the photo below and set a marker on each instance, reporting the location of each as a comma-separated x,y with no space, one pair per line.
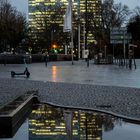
22,5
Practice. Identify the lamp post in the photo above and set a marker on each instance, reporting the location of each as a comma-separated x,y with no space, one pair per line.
86,31
124,37
86,24
105,51
79,49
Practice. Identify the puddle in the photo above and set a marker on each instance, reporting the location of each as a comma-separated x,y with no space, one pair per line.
50,123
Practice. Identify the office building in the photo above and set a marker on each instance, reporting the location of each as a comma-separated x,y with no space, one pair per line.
47,15
55,123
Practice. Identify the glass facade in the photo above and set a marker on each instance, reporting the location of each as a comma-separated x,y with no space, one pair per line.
55,123
47,13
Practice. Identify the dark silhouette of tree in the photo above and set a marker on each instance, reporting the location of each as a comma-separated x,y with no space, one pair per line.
134,27
137,11
12,26
106,16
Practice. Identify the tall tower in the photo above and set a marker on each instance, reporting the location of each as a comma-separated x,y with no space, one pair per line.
45,14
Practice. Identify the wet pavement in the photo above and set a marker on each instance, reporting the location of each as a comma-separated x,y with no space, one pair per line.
113,75
104,87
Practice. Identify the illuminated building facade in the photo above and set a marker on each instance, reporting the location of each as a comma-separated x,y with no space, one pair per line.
53,11
50,123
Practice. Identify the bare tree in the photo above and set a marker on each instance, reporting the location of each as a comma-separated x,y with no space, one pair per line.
106,16
113,15
137,11
12,25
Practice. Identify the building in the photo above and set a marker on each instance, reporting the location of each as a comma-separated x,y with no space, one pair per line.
48,122
47,15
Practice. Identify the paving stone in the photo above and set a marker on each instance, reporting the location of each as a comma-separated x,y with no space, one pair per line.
104,87
122,100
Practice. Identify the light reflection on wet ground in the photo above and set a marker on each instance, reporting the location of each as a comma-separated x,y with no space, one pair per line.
78,73
46,122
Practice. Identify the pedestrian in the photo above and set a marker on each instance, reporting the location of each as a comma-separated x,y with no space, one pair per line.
130,58
46,58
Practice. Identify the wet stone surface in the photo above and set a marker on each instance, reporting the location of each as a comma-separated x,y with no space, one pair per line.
119,100
105,87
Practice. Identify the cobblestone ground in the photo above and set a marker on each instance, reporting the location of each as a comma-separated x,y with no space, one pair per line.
124,101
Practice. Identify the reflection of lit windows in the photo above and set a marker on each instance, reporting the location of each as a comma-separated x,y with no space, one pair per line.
51,123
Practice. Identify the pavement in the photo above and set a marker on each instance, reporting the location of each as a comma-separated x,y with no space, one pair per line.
108,88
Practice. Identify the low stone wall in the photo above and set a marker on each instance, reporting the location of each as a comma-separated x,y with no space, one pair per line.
18,58
37,58
59,57
11,59
63,57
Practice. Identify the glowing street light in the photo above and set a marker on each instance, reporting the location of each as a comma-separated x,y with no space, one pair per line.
54,46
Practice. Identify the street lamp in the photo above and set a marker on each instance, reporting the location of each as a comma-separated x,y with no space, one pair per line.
79,29
86,24
54,46
86,31
124,39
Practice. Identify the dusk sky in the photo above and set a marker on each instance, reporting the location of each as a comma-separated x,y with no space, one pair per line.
22,5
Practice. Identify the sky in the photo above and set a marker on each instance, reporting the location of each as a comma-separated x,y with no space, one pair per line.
22,5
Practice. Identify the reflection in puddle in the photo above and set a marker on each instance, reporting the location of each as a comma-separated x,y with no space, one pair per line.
50,123
60,124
